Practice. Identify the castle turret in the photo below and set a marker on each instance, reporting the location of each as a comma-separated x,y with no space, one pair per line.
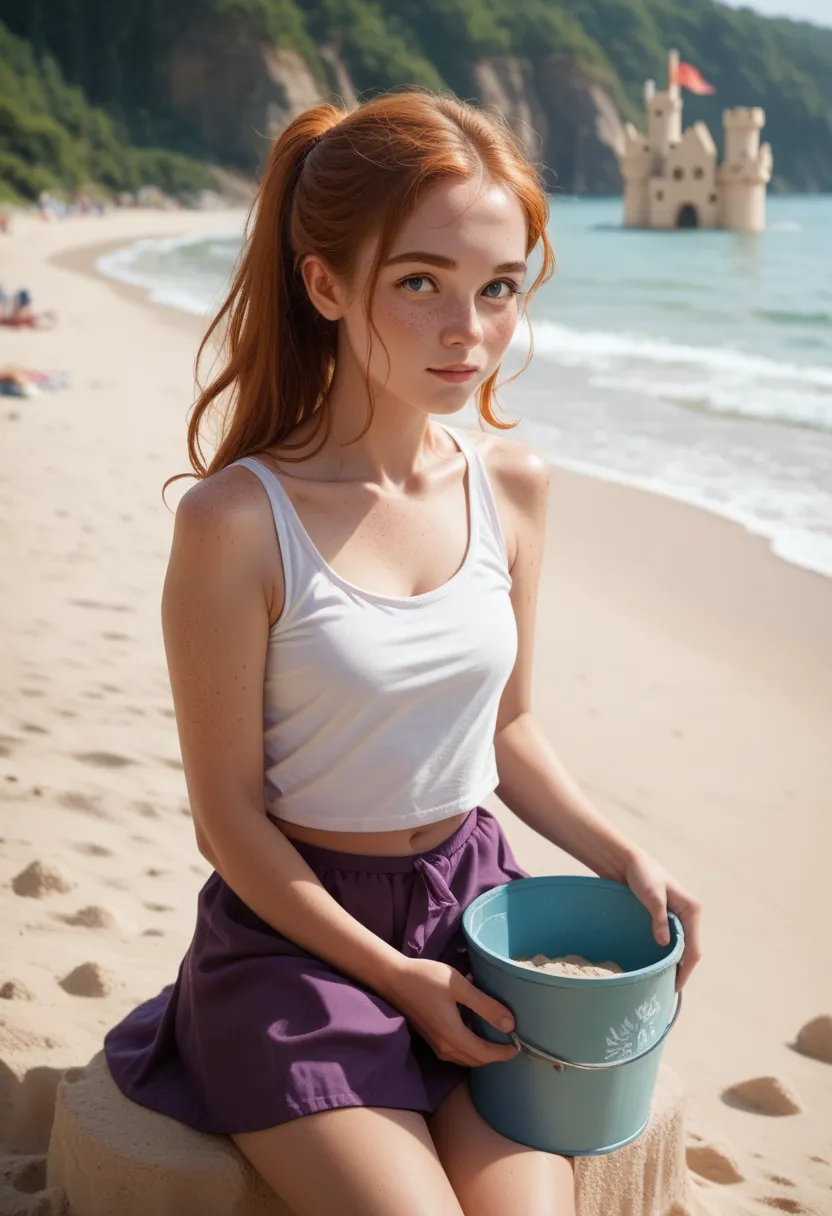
745,171
664,116
634,164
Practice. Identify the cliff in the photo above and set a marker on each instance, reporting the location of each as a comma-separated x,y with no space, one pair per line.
214,79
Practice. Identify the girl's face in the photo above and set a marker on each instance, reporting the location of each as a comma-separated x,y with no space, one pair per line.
447,297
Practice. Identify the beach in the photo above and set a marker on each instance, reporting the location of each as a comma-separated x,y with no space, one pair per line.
682,673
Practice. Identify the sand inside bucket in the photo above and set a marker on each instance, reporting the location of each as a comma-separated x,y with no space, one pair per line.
570,964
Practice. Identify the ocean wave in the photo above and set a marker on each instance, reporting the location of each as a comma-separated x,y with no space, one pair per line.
721,380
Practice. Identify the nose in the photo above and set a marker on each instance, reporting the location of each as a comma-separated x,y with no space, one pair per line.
463,326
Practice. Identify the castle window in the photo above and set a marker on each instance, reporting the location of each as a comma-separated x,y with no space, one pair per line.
711,198
678,174
659,195
699,173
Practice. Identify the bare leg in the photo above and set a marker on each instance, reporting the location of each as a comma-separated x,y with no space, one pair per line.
492,1175
356,1161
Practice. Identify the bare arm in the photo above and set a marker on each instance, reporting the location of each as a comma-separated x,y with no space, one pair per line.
534,783
215,618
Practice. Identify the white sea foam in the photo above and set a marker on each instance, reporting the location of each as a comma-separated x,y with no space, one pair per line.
719,379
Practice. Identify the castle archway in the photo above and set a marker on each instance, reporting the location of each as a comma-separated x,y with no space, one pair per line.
687,216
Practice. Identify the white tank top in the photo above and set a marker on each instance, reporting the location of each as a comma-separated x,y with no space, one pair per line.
379,710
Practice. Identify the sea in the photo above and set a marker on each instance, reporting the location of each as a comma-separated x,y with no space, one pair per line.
693,364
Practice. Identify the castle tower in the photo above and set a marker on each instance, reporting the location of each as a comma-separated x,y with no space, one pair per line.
664,116
745,171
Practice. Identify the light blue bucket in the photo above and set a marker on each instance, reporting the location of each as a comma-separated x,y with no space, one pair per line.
589,1049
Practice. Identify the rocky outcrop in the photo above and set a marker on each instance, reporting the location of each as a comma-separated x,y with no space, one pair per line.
564,117
237,92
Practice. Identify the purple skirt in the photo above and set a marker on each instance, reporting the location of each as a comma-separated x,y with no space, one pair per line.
256,1031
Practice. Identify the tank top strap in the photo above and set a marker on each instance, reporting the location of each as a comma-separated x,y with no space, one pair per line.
481,492
293,551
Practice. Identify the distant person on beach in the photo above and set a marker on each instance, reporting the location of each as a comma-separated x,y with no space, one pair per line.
20,313
348,619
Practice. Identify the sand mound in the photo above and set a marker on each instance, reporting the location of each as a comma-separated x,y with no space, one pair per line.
92,917
143,1162
764,1096
570,964
90,979
39,879
815,1038
15,990
715,1161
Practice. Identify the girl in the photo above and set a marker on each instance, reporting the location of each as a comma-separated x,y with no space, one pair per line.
348,617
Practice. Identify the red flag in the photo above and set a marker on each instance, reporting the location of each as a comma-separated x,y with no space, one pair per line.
692,79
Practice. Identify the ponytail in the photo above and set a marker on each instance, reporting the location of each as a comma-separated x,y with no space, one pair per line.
280,350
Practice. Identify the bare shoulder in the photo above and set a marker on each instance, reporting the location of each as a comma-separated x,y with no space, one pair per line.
223,525
517,472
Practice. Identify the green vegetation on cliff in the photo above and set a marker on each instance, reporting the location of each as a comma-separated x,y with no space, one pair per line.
52,139
89,95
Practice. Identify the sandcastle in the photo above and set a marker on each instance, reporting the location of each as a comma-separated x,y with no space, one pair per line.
107,1155
672,179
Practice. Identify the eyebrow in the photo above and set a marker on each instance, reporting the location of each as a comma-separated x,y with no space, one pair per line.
438,259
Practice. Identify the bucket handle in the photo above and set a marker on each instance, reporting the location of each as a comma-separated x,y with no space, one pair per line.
560,1063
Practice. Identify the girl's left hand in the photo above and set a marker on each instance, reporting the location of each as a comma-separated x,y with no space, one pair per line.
658,891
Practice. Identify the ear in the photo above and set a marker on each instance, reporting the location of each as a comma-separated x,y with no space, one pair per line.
325,290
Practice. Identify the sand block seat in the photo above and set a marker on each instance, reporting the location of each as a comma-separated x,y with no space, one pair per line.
107,1155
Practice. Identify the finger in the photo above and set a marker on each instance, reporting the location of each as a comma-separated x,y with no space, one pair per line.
691,919
491,1011
655,901
690,913
482,1051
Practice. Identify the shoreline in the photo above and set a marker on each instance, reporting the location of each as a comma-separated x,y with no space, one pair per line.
681,672
84,260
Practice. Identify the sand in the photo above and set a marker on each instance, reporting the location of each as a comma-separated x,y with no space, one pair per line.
682,673
570,965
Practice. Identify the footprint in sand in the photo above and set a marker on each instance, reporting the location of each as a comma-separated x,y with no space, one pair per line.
97,604
38,880
87,804
779,1180
815,1039
154,872
112,635
7,745
28,1175
15,990
715,1161
153,933
781,1204
93,850
32,728
102,759
764,1096
93,916
152,906
173,762
90,980
146,809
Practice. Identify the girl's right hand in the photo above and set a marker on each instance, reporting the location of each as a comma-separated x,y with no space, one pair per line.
427,992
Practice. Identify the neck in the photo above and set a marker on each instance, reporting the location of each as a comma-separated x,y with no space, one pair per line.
395,445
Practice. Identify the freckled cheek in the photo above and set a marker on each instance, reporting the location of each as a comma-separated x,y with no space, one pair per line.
500,328
407,320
